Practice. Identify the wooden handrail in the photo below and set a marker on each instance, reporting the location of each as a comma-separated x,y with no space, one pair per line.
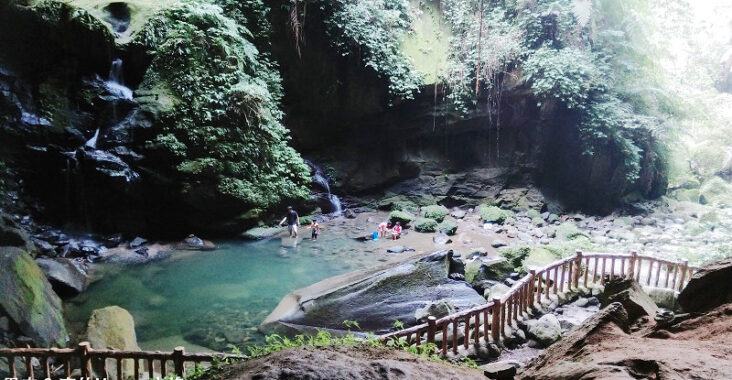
552,278
88,358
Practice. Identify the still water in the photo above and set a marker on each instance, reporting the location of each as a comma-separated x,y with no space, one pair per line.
215,300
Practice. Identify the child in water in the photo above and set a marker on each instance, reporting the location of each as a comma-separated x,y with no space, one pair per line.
315,227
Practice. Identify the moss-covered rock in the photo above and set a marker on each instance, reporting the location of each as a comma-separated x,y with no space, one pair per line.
425,225
716,191
448,226
112,327
435,212
401,217
28,299
493,214
568,231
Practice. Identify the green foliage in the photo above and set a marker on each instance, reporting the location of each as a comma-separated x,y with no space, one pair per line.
565,74
398,325
276,342
351,324
401,217
436,212
448,226
223,134
425,225
374,30
493,214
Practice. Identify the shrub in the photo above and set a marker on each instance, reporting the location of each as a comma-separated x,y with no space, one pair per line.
493,214
448,226
425,225
400,216
435,212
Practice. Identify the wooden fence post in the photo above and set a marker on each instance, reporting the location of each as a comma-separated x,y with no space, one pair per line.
496,322
178,353
532,279
631,268
684,269
85,360
577,269
431,329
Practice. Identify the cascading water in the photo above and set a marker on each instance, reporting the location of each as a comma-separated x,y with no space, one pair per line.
322,182
92,142
115,82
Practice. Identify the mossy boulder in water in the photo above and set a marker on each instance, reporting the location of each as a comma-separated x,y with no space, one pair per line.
375,298
28,299
448,226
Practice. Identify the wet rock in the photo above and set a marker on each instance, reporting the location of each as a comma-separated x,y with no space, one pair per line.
137,242
481,269
260,233
45,248
112,241
433,309
399,249
441,239
374,297
630,294
546,330
67,276
665,298
143,251
12,236
496,291
502,370
709,287
106,165
458,213
498,243
29,300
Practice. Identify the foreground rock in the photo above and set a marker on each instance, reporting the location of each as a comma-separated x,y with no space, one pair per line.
602,348
375,298
29,300
627,291
112,327
67,277
345,362
709,287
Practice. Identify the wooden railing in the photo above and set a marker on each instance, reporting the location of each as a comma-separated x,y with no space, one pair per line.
58,363
487,323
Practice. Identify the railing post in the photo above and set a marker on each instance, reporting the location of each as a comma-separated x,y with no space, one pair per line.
532,279
577,269
85,360
178,353
496,322
431,329
684,269
631,267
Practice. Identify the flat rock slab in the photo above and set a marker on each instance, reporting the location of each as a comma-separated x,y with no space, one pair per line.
373,298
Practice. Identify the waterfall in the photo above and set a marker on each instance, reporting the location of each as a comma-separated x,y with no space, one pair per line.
115,82
92,142
321,181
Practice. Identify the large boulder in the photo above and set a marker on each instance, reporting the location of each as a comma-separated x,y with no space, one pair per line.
482,269
631,295
546,330
67,276
375,298
112,327
12,236
29,299
709,287
693,347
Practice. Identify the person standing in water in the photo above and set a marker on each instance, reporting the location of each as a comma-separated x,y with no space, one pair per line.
293,221
315,227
